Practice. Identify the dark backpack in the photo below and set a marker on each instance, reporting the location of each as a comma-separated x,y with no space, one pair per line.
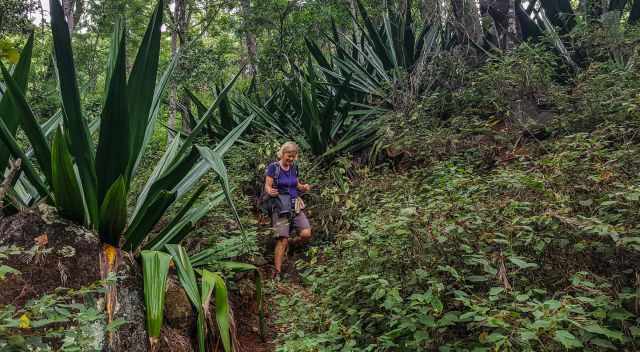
267,204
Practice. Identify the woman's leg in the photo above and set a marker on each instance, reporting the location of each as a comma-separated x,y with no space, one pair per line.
281,229
281,249
304,229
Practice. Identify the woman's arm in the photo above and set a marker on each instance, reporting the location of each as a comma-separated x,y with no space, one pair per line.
268,186
303,187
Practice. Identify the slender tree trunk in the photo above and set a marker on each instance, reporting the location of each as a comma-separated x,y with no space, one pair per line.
353,7
634,16
467,19
503,13
178,39
173,94
249,37
512,26
73,10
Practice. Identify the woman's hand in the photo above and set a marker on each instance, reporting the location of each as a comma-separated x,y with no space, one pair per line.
305,187
272,191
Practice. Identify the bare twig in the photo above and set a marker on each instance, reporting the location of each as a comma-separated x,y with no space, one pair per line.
14,168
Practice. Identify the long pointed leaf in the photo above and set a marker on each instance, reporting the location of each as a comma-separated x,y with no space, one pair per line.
144,222
77,131
8,114
142,83
196,130
10,143
155,109
29,124
217,164
112,157
113,213
155,266
66,190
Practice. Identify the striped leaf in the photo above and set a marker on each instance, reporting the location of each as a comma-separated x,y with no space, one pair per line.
155,266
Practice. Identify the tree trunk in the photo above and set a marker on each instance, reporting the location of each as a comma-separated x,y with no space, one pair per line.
173,94
430,10
504,16
467,19
178,39
72,15
634,16
512,26
249,37
560,14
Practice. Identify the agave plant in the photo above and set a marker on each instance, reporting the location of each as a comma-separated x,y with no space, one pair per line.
381,60
90,184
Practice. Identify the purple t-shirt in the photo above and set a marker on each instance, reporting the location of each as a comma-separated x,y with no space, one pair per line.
287,179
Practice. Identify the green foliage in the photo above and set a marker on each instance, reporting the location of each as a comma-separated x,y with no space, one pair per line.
126,126
496,238
200,297
66,318
155,267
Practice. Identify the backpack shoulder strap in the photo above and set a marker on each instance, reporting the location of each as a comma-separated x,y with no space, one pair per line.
277,173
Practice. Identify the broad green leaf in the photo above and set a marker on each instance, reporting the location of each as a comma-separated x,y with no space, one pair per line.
113,213
5,269
112,156
567,339
8,112
597,329
76,129
144,222
66,189
522,264
142,84
29,124
155,266
223,317
7,139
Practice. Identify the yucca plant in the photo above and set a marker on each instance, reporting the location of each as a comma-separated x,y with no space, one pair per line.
91,185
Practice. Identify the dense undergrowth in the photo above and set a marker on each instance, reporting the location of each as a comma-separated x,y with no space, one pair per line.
509,221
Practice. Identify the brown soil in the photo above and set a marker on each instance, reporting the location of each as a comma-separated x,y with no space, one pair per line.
248,325
46,261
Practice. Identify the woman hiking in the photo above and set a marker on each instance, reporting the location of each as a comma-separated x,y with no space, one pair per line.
281,181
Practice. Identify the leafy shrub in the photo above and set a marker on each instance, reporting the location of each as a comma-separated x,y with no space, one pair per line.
539,253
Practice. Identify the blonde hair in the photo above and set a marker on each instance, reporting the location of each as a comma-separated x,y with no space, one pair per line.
287,148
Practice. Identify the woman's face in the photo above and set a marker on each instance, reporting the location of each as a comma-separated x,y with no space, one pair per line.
289,157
